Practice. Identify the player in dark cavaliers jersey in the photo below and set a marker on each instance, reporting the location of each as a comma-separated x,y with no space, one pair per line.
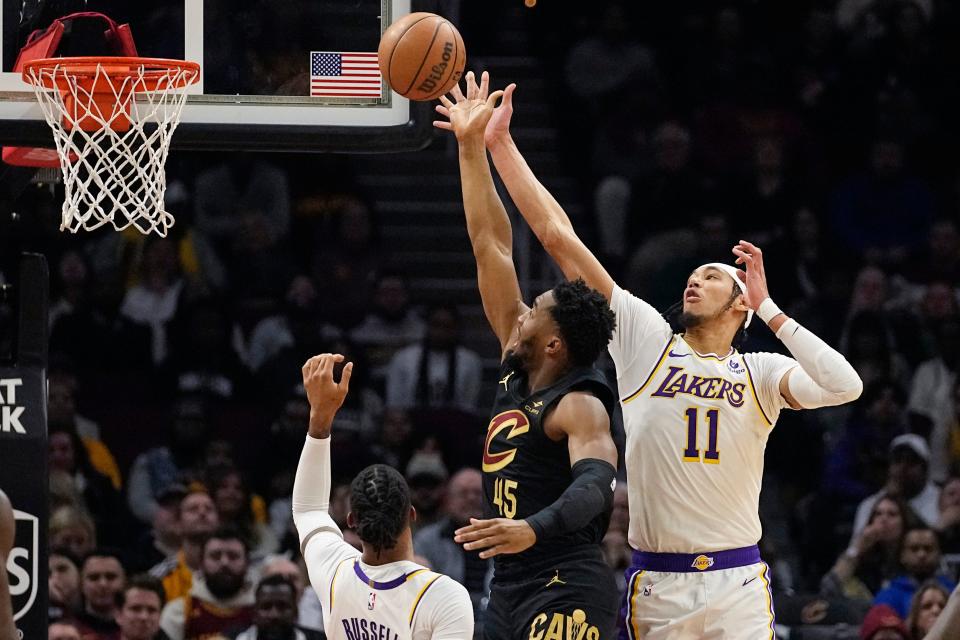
549,462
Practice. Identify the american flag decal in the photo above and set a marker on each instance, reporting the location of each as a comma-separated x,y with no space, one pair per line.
345,75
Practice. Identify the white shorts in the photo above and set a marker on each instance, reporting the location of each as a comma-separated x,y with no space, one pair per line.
727,604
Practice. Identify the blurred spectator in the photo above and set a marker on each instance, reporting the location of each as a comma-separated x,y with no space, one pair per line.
162,541
920,559
883,214
62,385
275,613
463,500
869,346
938,260
154,301
202,357
616,549
102,578
63,630
873,556
907,478
179,461
439,372
857,463
883,623
345,267
427,476
948,524
766,195
396,441
243,186
220,600
72,529
390,325
310,615
932,396
925,608
362,411
608,59
198,519
140,603
98,496
63,584
233,502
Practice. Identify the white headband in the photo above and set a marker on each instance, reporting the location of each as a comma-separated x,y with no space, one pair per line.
732,272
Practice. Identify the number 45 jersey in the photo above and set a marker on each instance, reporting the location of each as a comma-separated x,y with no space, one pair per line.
524,470
696,427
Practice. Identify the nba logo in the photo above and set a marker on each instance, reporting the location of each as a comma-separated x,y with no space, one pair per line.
371,601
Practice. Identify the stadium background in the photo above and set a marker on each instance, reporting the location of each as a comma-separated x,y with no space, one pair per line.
825,132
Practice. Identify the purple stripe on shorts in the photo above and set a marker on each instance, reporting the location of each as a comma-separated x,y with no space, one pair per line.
695,562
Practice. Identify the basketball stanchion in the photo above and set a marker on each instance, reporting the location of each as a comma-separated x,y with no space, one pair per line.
112,119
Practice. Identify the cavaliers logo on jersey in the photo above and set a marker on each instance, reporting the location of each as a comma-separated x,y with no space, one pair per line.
518,424
557,625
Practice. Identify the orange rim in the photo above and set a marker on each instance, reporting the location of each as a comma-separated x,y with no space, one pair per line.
153,70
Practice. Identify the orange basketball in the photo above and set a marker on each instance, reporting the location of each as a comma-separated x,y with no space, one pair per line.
421,56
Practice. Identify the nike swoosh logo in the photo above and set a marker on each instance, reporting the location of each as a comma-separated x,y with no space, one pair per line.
746,582
677,355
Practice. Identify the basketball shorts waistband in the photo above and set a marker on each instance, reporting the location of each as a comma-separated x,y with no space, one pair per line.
696,562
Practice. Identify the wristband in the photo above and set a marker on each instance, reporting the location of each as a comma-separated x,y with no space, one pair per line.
768,310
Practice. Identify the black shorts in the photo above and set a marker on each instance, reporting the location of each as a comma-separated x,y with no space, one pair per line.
573,598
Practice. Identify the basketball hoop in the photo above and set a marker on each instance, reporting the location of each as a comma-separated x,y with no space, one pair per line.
112,121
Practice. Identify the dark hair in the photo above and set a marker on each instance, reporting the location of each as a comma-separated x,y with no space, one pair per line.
66,553
277,580
380,502
228,532
144,582
585,320
918,527
104,552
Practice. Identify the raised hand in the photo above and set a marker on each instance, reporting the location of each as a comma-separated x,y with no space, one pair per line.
470,114
498,128
325,396
749,255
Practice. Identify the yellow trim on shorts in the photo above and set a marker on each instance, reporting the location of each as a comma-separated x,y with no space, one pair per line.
632,605
766,592
663,356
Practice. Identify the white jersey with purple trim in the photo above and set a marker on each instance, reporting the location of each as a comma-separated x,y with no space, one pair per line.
395,601
696,427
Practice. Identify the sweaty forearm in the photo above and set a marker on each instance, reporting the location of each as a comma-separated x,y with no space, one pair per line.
589,495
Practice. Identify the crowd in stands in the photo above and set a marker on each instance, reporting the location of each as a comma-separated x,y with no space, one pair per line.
825,132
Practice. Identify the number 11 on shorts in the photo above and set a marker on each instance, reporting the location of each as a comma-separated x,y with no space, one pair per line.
691,453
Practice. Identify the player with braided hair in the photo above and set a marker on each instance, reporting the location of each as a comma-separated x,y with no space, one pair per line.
381,592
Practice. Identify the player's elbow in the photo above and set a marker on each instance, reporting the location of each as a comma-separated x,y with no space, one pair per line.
555,238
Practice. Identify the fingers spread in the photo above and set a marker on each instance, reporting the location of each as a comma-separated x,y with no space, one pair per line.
457,93
345,377
484,85
444,108
443,124
472,88
492,100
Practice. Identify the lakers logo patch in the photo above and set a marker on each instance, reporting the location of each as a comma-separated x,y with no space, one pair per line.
702,563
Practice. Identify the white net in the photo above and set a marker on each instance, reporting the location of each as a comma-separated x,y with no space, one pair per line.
112,123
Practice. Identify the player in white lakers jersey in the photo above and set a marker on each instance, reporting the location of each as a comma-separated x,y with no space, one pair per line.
697,415
378,594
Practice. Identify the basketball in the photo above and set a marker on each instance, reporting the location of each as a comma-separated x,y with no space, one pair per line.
421,56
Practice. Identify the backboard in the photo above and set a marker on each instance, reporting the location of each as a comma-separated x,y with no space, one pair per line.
298,75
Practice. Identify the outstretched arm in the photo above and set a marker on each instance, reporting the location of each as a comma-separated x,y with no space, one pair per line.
540,209
487,223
